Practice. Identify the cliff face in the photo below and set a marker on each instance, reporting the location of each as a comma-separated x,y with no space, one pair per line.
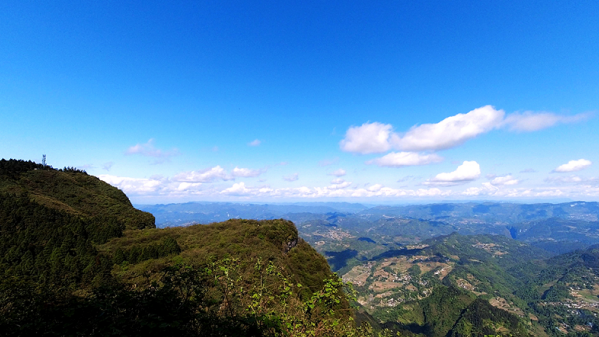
72,191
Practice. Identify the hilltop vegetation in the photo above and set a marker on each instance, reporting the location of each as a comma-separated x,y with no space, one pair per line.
100,269
72,191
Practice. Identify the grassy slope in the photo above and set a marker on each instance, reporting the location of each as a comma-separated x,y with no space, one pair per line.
74,192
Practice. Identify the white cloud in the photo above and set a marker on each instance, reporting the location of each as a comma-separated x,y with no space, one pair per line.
169,188
184,186
161,187
203,176
172,188
468,171
339,183
339,173
573,180
574,187
367,138
215,174
573,165
528,170
550,193
375,187
149,150
238,189
254,142
504,180
245,172
291,177
335,190
474,191
532,121
132,185
400,159
451,131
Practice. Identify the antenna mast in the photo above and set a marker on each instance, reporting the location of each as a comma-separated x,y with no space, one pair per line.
44,159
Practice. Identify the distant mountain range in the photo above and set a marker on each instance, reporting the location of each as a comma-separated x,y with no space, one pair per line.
490,213
574,224
206,212
424,270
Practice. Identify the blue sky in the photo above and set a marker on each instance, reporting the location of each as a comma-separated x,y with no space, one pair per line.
396,101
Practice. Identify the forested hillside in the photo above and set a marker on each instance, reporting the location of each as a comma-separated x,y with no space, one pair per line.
69,268
71,190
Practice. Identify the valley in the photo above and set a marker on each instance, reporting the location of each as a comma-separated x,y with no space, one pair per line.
521,259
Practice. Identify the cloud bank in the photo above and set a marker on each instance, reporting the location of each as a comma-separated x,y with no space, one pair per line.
450,132
500,187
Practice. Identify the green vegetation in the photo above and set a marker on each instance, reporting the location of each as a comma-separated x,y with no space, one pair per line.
49,247
72,191
482,319
72,269
460,285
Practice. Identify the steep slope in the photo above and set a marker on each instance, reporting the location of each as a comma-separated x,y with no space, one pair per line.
72,191
482,319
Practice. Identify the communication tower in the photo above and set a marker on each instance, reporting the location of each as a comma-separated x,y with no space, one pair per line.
44,159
